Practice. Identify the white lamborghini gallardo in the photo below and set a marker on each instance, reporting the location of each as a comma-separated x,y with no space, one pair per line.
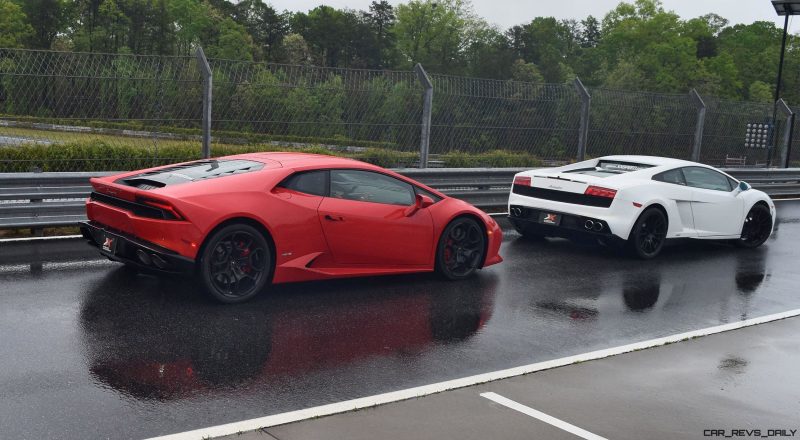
640,201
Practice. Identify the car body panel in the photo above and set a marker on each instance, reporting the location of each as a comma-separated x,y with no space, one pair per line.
692,212
374,238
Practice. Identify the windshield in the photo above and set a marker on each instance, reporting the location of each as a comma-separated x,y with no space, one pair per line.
607,168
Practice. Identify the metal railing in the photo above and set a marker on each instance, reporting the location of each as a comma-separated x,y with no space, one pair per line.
38,200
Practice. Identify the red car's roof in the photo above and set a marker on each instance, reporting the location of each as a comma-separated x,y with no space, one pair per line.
292,159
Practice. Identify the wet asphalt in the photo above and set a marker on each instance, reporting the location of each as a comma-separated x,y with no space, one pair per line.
90,350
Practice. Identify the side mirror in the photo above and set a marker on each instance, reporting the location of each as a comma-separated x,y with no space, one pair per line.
744,186
420,202
423,201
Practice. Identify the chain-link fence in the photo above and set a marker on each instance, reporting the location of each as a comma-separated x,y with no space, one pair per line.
86,111
478,115
78,111
725,132
641,123
303,104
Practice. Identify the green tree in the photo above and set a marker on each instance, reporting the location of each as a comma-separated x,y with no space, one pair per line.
14,28
265,25
296,49
48,18
528,72
590,34
436,33
760,91
381,18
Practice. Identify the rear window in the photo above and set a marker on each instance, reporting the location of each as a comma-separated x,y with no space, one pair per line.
606,168
190,172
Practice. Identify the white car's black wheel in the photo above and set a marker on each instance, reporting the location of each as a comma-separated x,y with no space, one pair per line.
461,248
648,234
757,227
236,263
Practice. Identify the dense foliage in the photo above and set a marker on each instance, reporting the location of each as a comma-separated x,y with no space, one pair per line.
636,46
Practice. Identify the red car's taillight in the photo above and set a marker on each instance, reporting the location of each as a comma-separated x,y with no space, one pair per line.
522,180
168,212
599,191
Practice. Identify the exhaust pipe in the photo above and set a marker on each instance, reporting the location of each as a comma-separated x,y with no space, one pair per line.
159,262
598,226
589,224
144,258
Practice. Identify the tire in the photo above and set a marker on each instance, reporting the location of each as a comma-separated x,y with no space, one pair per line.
648,234
757,227
461,248
236,263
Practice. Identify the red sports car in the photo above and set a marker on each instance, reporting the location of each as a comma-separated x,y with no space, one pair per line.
241,222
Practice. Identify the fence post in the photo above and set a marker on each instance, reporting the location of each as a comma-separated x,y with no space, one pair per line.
699,126
583,130
427,114
787,131
205,70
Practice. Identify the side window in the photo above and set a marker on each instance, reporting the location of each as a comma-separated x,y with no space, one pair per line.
705,178
672,176
367,186
309,182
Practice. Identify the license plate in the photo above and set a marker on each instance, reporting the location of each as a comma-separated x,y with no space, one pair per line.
109,244
549,219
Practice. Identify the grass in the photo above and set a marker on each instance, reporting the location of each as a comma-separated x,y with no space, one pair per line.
75,151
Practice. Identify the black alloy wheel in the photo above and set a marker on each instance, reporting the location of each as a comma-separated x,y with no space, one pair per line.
236,263
461,249
649,234
757,227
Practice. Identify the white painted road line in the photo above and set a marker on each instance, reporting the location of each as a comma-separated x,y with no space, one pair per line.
55,237
410,393
558,423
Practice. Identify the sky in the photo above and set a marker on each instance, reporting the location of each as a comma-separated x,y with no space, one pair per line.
507,13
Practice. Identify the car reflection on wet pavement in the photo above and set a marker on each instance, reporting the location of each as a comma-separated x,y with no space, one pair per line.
156,348
93,351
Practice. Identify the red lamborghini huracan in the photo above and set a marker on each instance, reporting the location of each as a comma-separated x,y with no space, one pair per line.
241,222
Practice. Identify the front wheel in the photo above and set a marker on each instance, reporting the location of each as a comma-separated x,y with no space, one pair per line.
649,234
236,263
757,227
461,249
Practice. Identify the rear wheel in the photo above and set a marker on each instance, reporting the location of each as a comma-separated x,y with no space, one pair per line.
236,263
649,234
461,248
757,227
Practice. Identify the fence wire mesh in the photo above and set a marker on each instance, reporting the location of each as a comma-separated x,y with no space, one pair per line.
63,111
479,115
641,123
102,111
725,129
304,104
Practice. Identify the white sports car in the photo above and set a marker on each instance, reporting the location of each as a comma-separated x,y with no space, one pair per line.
639,201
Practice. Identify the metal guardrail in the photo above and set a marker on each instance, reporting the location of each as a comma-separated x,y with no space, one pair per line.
38,200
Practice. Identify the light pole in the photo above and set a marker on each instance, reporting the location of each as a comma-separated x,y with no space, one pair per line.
784,8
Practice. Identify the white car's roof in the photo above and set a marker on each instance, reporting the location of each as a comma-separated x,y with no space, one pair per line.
649,160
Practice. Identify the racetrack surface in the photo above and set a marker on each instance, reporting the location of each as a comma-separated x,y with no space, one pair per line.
93,351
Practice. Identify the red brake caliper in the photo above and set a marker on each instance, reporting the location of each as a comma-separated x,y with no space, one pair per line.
245,252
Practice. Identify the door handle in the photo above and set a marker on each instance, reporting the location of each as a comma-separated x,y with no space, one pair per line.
333,219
